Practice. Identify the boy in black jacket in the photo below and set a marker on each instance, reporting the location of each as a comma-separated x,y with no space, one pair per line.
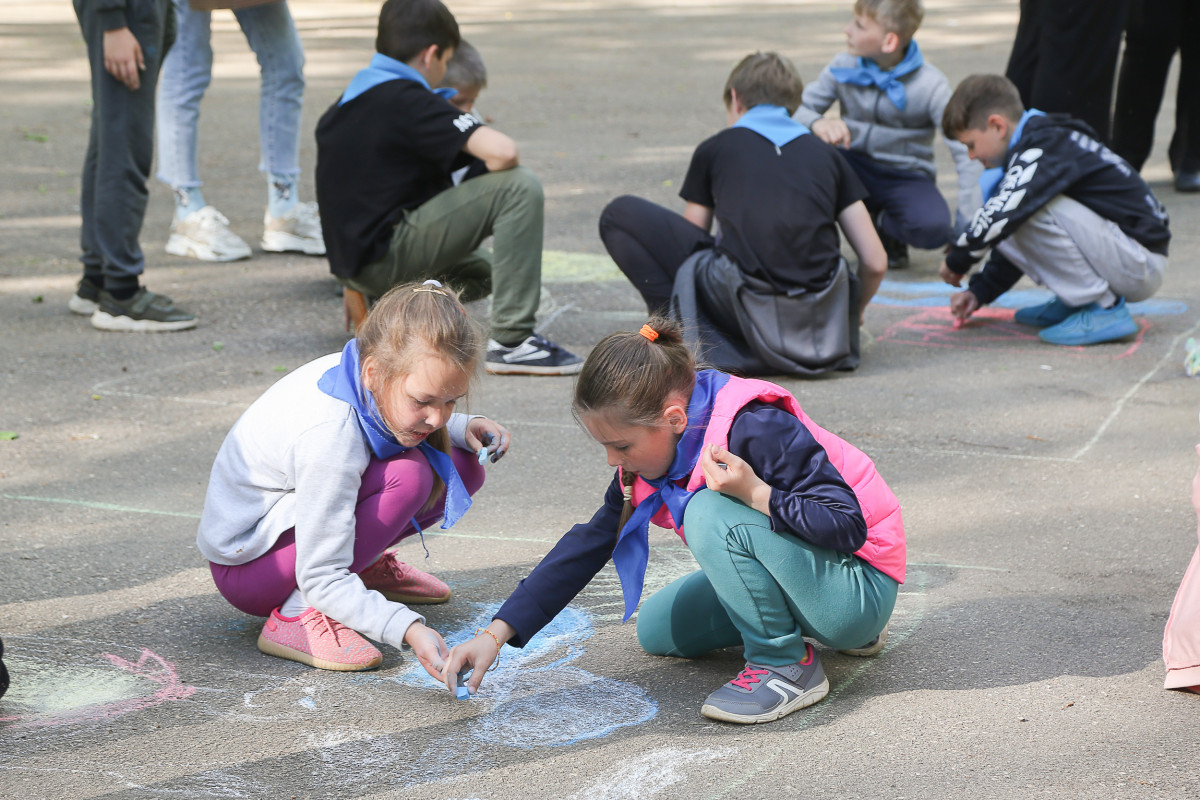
1061,208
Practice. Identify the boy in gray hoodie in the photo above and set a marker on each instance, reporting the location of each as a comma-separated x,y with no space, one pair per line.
891,103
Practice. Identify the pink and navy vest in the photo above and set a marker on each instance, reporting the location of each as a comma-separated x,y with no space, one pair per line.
884,548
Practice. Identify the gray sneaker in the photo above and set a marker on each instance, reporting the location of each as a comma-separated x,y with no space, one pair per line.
870,648
765,694
145,312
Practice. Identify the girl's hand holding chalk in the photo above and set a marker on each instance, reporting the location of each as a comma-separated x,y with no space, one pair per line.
488,438
731,476
475,655
429,648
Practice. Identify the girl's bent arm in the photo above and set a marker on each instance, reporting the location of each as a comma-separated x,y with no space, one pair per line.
809,497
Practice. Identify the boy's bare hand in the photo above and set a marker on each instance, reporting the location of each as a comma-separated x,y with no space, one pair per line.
123,57
963,304
949,276
832,131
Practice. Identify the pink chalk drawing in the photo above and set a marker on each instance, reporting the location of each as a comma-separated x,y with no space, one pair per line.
52,695
987,329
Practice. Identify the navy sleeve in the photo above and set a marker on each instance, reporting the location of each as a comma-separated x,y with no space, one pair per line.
576,558
997,277
809,497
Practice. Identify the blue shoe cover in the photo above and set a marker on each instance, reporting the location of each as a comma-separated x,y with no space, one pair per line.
1092,325
1045,314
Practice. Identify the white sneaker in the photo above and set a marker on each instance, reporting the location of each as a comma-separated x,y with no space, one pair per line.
297,231
205,235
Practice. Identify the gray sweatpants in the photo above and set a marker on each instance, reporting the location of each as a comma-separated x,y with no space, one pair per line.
120,145
1082,257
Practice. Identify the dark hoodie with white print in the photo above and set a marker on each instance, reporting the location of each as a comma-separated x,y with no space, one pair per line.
1055,155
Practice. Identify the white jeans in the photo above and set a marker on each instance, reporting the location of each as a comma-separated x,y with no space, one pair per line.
187,72
1082,257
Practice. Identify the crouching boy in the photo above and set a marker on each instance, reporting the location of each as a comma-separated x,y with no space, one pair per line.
1061,208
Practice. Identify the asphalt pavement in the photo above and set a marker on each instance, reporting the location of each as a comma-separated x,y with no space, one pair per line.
1045,490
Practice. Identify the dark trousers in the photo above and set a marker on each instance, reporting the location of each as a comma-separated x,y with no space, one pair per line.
906,205
1155,30
1064,57
120,146
649,243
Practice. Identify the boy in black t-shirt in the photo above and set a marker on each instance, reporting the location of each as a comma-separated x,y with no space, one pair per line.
770,293
390,212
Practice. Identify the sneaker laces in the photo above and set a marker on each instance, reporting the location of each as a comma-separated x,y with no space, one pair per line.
389,566
749,676
322,624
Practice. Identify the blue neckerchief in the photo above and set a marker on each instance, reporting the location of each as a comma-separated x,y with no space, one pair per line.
773,123
383,69
345,383
989,179
868,73
633,544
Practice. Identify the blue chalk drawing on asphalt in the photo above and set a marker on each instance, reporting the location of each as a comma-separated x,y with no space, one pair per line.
534,698
932,294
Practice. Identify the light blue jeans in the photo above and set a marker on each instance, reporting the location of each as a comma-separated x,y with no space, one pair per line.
187,72
763,590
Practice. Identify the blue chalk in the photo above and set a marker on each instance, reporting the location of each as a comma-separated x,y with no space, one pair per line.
483,455
461,691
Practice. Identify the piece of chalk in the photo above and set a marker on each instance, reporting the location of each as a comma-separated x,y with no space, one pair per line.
461,691
483,455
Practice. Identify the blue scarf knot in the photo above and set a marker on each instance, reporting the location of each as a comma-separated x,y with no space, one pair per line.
989,179
773,123
868,73
383,69
632,551
344,382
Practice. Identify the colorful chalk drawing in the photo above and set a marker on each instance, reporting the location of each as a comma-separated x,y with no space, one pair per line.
988,329
533,698
992,327
77,682
926,294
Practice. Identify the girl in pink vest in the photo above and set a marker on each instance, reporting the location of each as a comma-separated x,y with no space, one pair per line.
795,533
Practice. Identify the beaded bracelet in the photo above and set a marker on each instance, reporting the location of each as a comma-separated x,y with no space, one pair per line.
495,638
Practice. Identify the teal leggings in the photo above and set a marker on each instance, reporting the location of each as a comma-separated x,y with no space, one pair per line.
762,589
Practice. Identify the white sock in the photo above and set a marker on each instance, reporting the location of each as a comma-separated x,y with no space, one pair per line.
294,606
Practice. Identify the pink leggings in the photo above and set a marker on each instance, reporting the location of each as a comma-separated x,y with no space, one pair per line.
391,494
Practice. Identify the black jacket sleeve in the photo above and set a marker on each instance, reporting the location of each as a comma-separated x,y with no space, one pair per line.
809,497
997,277
576,558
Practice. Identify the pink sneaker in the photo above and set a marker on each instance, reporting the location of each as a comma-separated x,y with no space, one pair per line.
401,583
314,639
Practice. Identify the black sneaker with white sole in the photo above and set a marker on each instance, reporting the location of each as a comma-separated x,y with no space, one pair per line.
145,312
534,356
765,694
86,299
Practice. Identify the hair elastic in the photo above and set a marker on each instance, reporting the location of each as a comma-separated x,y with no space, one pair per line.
649,333
431,286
